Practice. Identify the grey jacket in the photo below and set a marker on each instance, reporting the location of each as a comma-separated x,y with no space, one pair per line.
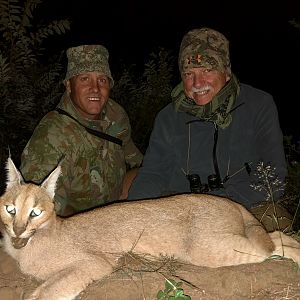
254,135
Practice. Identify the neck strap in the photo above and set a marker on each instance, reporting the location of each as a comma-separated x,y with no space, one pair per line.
99,134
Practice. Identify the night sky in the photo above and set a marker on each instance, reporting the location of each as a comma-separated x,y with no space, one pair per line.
265,48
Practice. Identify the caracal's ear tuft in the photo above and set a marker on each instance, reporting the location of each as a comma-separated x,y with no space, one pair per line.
49,184
14,177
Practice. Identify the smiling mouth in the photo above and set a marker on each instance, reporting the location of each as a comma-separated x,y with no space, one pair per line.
94,98
202,92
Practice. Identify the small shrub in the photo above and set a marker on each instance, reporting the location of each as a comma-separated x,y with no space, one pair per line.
172,291
143,95
28,86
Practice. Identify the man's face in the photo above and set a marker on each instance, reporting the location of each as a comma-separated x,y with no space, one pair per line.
201,84
89,93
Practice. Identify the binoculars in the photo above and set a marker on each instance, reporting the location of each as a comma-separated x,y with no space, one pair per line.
213,183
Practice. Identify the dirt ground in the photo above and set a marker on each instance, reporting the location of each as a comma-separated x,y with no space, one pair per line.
272,279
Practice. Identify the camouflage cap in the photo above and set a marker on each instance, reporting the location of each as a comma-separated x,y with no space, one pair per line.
206,48
88,58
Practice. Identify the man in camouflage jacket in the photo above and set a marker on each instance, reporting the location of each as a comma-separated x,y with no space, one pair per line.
93,167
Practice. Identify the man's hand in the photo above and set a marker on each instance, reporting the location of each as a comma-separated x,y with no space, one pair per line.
127,181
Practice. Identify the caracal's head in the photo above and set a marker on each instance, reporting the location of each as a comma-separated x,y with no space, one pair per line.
26,207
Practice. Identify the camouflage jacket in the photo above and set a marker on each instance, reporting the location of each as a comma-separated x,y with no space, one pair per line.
92,168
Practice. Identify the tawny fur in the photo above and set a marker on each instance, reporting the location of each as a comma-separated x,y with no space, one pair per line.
68,254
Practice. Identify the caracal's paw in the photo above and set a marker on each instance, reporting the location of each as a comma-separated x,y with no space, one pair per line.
279,238
286,246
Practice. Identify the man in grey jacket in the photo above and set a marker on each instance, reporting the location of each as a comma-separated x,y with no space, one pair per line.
215,133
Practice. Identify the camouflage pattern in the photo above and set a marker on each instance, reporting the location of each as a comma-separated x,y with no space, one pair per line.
206,48
92,168
88,58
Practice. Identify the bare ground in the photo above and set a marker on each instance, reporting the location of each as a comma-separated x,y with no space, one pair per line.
272,279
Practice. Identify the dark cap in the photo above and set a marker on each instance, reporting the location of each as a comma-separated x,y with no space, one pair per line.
206,48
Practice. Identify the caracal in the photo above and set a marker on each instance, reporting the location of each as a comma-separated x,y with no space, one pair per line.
67,254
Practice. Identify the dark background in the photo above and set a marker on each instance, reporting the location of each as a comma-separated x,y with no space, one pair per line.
265,48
